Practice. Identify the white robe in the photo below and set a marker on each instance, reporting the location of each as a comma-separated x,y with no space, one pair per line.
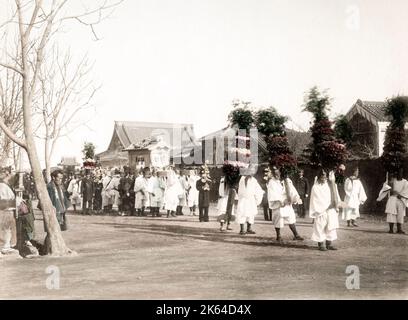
249,198
173,191
355,196
142,198
74,188
156,186
223,199
192,198
326,220
395,208
277,194
8,235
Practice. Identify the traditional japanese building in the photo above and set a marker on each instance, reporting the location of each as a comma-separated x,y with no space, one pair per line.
139,144
369,123
69,164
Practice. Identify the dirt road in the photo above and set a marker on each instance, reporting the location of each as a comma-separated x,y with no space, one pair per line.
181,258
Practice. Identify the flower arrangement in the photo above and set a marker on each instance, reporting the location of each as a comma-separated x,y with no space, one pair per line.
89,164
267,174
340,174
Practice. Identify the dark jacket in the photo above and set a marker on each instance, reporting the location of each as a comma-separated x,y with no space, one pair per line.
60,206
302,187
87,189
203,195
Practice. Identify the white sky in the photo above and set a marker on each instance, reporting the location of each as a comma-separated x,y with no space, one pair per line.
186,60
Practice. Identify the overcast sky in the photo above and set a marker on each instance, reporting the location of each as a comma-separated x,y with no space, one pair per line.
186,60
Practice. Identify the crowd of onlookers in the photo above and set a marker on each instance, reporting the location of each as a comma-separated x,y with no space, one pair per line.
124,191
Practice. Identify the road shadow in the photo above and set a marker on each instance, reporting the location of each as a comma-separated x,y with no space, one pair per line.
207,234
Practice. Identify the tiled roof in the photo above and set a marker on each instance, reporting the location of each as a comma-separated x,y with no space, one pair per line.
376,108
133,132
373,111
69,161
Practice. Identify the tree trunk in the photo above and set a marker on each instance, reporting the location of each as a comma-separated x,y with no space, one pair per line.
47,167
55,244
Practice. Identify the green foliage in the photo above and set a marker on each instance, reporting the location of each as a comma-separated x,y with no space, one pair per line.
241,116
395,142
325,150
317,103
397,109
88,150
270,122
394,149
343,130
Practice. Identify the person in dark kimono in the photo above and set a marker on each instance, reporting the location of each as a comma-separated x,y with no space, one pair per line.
26,219
203,187
302,187
87,191
59,198
97,200
132,195
125,185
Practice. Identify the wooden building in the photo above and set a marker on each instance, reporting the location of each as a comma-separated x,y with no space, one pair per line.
140,144
369,123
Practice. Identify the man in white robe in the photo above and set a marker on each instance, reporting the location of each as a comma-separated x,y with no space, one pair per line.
183,196
227,203
74,189
397,191
142,197
172,193
115,191
355,196
8,235
107,194
192,196
250,196
281,196
155,188
324,213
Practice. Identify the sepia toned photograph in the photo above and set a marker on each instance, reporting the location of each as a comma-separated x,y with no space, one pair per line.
201,150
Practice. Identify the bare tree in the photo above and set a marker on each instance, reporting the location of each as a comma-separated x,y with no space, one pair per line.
35,22
11,112
65,91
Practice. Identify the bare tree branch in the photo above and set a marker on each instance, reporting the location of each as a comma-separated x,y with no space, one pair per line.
12,135
15,69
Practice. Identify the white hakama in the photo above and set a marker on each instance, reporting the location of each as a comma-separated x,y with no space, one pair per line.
173,191
142,198
395,208
223,201
192,197
74,188
249,198
277,194
155,187
326,221
184,186
355,196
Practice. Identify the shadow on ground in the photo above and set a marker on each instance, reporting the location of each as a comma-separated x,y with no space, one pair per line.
206,234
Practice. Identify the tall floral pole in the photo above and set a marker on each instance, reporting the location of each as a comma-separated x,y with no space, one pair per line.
395,143
238,153
272,125
325,149
88,151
